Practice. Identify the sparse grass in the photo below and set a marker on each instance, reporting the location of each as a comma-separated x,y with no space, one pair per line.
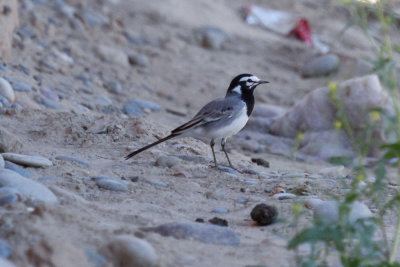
363,242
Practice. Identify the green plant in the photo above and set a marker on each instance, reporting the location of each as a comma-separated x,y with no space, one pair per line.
363,242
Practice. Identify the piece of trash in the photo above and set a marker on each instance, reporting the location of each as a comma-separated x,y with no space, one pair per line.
303,31
285,23
275,20
320,44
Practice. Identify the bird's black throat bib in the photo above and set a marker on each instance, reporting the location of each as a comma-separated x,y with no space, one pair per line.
248,98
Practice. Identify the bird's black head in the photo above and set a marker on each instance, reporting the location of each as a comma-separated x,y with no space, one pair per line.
244,84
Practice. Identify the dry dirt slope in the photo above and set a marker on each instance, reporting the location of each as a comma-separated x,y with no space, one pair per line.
58,58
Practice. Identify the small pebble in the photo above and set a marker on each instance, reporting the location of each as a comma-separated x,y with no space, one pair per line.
111,54
242,200
23,69
111,184
211,37
156,182
334,172
16,106
5,103
6,90
5,249
293,175
32,161
315,176
218,221
264,214
95,258
167,161
250,182
139,60
103,100
9,142
49,178
8,195
134,179
250,171
279,190
130,251
69,158
18,169
49,94
199,220
94,18
22,87
136,40
320,66
113,87
198,174
227,169
220,210
261,162
48,103
193,158
283,196
176,111
207,233
135,107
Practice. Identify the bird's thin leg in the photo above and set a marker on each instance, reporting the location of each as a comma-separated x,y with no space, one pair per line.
223,141
212,143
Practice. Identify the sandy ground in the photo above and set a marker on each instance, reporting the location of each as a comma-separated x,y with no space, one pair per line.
180,75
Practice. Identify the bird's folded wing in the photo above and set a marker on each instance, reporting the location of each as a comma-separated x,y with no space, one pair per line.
213,111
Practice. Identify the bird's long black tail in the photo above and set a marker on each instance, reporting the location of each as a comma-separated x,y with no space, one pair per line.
148,146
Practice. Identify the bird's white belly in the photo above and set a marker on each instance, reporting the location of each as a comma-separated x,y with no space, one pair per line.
233,128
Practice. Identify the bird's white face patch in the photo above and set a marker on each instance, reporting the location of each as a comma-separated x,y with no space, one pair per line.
237,89
250,80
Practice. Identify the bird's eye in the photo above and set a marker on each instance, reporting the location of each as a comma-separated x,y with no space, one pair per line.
249,80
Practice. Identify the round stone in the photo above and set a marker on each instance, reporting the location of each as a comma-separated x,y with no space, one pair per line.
32,161
129,251
26,187
111,184
320,66
264,214
6,90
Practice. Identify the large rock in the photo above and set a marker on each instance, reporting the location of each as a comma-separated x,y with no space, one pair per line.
9,142
263,116
26,187
129,251
317,112
326,144
8,22
328,211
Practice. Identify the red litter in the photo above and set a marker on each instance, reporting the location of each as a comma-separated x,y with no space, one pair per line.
303,31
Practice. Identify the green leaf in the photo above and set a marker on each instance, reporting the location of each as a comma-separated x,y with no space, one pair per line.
393,150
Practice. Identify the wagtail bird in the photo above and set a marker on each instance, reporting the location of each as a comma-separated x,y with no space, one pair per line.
220,118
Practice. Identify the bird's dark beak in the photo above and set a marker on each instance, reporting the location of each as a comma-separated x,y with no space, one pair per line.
261,82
